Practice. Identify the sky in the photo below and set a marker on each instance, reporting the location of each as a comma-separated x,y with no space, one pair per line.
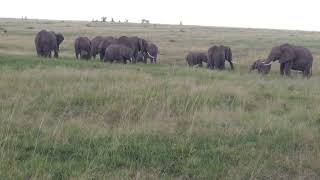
272,14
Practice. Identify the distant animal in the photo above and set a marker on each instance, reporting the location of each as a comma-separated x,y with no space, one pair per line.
292,57
118,52
196,58
145,21
95,42
217,55
260,66
152,53
48,41
106,42
82,47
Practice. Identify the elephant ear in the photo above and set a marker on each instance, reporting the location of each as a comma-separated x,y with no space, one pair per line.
143,45
60,38
287,53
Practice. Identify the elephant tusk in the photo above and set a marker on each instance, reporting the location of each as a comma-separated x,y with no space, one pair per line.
150,55
269,64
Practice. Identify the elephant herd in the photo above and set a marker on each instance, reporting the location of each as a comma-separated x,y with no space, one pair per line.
110,49
122,49
135,49
289,56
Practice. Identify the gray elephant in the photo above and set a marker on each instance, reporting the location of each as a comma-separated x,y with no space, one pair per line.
95,42
48,41
118,52
152,52
107,41
260,66
217,55
292,57
196,58
135,43
82,47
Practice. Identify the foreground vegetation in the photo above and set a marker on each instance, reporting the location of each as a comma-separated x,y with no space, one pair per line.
67,119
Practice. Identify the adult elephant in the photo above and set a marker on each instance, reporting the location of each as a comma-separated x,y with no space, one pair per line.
48,41
95,42
196,58
107,41
152,52
292,57
82,47
217,55
135,43
118,52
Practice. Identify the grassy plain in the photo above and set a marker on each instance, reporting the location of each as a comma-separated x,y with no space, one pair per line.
68,119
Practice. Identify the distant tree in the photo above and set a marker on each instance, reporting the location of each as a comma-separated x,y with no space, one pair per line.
181,23
127,21
112,20
104,19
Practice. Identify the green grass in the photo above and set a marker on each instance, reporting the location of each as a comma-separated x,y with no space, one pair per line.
68,119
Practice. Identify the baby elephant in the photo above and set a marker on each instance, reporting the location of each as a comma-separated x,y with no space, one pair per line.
196,58
260,66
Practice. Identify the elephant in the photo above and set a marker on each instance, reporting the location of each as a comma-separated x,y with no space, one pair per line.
260,66
217,55
196,58
291,57
135,43
118,52
82,47
95,42
152,52
48,41
107,41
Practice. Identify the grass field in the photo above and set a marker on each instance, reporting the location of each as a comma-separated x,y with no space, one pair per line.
68,119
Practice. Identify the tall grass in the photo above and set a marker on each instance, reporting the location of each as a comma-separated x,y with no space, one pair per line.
94,120
68,119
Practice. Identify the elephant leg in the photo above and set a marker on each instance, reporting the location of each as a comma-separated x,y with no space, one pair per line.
101,56
282,65
210,65
307,73
231,65
134,60
56,54
123,60
287,68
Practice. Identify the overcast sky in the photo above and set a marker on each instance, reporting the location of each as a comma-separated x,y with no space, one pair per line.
278,14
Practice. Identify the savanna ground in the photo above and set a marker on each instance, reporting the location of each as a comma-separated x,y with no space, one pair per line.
68,119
